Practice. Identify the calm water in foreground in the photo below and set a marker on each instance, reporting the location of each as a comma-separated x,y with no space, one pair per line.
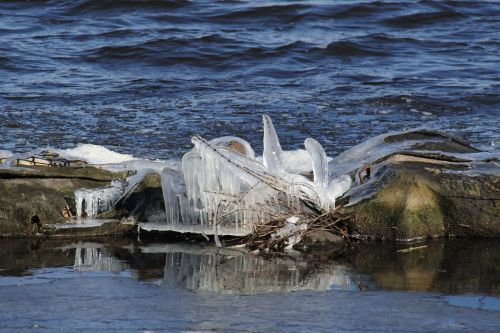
124,285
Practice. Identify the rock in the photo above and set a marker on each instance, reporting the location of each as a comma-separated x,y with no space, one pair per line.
144,204
412,185
85,173
321,241
416,201
35,197
113,228
434,189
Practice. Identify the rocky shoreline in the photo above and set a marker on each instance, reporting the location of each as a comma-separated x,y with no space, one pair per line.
404,195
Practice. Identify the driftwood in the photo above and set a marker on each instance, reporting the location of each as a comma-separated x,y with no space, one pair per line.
267,236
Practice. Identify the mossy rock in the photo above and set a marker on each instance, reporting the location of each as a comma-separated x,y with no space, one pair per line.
419,200
34,197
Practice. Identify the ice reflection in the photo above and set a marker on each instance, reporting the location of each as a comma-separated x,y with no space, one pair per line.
231,271
93,257
450,267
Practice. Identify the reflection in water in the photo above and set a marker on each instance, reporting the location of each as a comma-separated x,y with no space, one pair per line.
229,271
93,257
458,266
452,267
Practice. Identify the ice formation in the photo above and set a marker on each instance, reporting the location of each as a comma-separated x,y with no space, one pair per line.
93,154
90,202
93,257
221,183
292,230
217,187
273,155
237,189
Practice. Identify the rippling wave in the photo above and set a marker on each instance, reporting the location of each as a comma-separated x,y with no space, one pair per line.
142,76
106,6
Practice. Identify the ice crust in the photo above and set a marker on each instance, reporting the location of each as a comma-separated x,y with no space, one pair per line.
93,154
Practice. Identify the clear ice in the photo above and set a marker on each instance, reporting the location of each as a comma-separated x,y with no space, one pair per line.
222,184
273,155
90,202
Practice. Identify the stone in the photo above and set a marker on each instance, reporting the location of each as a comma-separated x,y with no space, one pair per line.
34,197
321,241
436,188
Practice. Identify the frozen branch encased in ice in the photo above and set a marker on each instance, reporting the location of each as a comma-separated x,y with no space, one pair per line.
221,183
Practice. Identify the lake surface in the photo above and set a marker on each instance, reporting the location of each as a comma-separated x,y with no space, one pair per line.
141,77
125,285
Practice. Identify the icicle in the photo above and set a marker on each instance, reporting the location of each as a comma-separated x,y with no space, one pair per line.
273,155
319,161
170,197
79,197
244,184
99,199
220,178
178,208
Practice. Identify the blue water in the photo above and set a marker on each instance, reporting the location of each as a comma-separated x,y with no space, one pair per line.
142,76
129,286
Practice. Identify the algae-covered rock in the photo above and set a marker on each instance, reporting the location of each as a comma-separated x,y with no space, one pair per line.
33,197
418,201
439,186
321,241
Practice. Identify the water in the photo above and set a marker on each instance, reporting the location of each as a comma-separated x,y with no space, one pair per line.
141,77
124,285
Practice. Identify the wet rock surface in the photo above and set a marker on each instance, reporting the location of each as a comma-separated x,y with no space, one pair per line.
435,188
34,200
415,200
144,204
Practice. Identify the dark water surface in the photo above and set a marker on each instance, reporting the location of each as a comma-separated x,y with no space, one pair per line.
124,285
142,76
